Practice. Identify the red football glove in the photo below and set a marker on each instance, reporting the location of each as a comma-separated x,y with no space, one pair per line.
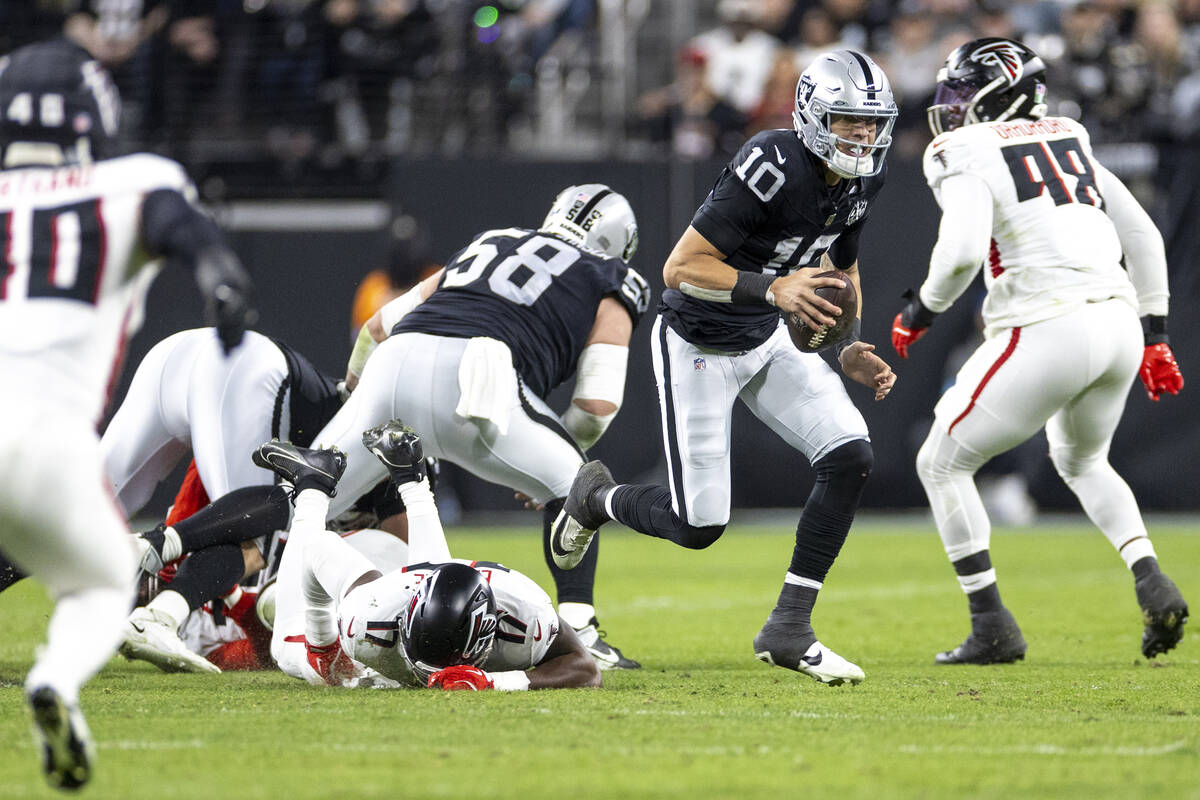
461,677
1159,371
333,665
911,323
903,336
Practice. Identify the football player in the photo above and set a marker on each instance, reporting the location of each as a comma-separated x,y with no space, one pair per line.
1022,192
788,201
469,354
186,398
83,236
439,622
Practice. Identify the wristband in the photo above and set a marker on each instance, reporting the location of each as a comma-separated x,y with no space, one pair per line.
1154,330
752,289
852,337
510,681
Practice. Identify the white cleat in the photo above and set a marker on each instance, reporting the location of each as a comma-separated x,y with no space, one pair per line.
822,665
150,636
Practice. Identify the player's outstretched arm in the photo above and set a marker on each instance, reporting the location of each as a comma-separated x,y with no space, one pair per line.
173,227
567,665
380,325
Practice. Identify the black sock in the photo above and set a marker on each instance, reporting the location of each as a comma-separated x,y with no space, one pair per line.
795,604
986,599
209,573
10,573
571,585
155,537
239,516
1145,567
820,535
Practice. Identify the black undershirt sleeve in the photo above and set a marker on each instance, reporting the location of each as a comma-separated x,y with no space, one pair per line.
173,227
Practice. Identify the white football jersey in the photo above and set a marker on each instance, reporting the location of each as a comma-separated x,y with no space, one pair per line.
73,273
1053,246
369,617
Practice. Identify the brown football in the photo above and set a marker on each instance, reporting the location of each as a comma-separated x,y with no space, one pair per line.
809,341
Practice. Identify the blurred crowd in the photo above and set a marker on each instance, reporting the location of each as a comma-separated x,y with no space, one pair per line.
1129,69
336,79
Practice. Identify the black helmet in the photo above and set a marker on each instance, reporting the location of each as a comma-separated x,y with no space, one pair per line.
988,80
450,620
55,93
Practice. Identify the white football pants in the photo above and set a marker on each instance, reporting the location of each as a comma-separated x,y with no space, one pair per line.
1070,374
797,395
415,377
186,396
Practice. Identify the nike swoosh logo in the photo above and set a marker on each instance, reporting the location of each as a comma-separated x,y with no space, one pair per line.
779,155
350,629
554,543
537,637
137,627
813,661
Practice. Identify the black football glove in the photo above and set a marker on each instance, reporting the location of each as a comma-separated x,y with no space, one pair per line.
226,288
911,323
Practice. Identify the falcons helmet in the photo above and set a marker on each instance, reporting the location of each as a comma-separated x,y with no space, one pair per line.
988,80
844,83
450,620
594,217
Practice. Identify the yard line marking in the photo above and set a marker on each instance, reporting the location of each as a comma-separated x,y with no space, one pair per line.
1047,750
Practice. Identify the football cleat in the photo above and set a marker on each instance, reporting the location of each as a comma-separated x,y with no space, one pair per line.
605,655
1164,612
779,643
63,735
582,513
399,448
150,636
303,467
995,639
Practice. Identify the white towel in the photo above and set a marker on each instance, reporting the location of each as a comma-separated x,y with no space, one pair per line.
487,382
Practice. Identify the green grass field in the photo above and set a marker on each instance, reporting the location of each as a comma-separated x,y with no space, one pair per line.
1083,716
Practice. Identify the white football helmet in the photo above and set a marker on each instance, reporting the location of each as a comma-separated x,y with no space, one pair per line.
595,217
844,82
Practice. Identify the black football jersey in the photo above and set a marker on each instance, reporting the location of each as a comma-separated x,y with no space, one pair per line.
770,211
533,291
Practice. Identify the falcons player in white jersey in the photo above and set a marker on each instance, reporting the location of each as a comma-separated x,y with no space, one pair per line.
439,622
80,242
1023,197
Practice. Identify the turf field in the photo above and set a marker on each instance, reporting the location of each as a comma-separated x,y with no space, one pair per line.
1084,716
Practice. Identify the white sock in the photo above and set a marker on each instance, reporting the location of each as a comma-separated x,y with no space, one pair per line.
426,538
311,507
173,605
577,615
172,548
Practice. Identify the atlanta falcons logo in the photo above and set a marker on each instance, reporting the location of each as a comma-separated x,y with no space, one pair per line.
1005,55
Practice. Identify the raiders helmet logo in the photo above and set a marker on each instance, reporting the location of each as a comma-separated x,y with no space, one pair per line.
804,90
1004,55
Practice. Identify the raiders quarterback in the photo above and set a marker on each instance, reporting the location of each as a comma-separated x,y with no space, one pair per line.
437,622
468,356
1023,192
788,201
82,237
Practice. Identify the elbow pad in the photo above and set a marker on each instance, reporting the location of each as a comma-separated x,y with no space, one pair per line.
600,376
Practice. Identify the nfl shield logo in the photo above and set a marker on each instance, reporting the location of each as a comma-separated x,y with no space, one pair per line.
699,364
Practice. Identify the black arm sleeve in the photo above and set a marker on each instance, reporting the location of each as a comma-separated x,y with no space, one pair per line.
844,251
173,227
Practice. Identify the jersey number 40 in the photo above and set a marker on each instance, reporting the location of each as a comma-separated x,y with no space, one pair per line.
61,250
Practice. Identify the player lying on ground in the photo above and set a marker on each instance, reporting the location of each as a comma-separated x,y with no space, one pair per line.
1073,261
438,622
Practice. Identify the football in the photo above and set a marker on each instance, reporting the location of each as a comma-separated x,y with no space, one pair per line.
809,341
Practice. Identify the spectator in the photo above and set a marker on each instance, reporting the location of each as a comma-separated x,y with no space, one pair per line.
688,116
739,55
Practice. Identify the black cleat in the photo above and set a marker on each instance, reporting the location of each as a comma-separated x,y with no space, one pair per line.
1164,611
63,735
605,655
582,513
303,467
995,639
399,448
